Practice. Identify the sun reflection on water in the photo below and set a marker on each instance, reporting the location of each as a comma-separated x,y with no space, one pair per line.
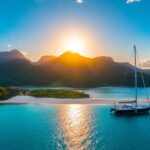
75,125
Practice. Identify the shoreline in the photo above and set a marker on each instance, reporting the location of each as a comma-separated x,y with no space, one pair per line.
58,101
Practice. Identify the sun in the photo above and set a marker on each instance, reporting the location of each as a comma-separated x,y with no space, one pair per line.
74,44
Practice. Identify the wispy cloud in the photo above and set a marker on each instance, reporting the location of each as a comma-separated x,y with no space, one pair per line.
79,1
38,0
145,64
133,1
24,53
9,45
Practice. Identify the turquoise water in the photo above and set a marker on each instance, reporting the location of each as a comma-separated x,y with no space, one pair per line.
105,92
117,92
72,127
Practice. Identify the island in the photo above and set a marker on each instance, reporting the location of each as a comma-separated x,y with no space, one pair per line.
6,93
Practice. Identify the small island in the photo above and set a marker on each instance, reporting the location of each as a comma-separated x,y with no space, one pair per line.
6,93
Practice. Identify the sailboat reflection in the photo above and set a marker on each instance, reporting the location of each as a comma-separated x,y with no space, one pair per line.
75,126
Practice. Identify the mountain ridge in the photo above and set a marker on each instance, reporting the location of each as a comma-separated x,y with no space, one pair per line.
68,69
11,55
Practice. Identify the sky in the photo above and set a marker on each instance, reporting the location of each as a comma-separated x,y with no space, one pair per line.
104,27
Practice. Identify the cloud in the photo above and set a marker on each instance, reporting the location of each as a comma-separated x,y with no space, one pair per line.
24,53
145,64
38,1
79,1
9,45
133,1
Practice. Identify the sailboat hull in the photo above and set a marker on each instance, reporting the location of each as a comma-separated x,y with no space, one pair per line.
130,110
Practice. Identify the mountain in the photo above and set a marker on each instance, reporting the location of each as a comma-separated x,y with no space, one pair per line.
11,55
72,58
45,59
73,69
68,69
66,57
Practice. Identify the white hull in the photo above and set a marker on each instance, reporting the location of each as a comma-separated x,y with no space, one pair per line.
131,109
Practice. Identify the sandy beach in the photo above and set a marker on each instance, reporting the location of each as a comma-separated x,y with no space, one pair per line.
33,100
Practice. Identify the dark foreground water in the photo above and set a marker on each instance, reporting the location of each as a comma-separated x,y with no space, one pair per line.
72,127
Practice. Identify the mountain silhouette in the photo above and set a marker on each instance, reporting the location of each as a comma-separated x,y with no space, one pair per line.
68,69
11,55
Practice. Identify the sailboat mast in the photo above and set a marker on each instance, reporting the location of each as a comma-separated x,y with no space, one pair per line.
135,73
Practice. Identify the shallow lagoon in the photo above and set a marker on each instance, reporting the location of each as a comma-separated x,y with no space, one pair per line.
40,127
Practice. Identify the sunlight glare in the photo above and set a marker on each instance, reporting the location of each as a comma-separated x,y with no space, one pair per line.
74,44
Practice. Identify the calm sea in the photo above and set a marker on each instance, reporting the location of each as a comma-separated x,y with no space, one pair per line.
71,127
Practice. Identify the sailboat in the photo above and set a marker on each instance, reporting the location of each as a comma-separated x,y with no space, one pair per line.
133,107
